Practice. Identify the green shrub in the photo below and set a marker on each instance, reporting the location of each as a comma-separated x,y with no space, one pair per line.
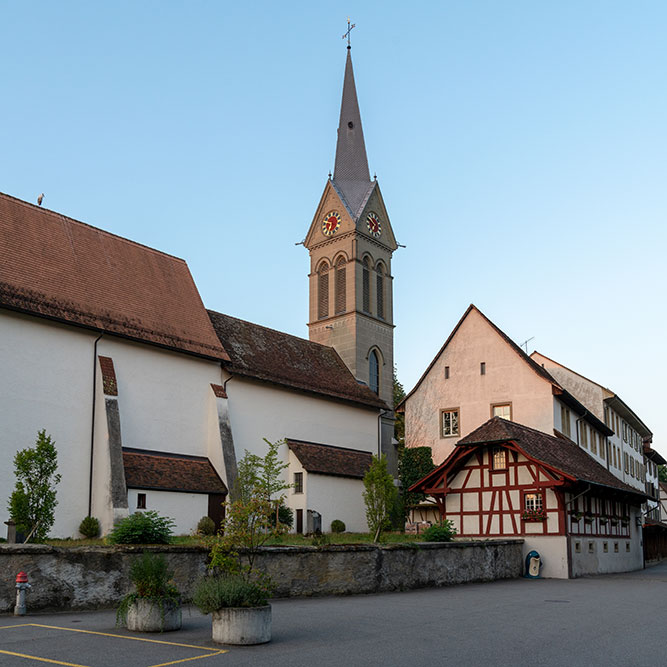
442,532
142,528
217,592
90,527
206,526
152,579
337,526
285,516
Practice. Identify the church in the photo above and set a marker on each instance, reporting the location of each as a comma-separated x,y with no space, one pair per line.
152,399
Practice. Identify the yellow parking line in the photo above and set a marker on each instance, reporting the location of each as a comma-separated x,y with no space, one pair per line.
136,639
16,625
32,657
197,657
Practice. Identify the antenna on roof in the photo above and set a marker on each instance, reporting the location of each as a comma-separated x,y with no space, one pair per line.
525,343
40,199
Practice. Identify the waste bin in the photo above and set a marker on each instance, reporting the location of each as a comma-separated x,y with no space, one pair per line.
533,565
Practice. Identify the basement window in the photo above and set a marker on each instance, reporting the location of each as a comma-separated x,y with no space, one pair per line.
141,501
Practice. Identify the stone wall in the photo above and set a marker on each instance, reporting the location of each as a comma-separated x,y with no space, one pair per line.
95,577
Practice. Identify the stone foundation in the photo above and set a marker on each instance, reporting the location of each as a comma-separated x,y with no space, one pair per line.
97,577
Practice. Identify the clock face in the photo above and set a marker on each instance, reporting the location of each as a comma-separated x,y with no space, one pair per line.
374,225
330,223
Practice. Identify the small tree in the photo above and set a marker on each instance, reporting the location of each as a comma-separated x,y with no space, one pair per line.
662,473
379,496
399,423
414,464
33,502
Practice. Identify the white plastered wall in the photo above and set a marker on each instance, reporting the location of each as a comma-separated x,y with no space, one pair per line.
184,508
165,401
338,498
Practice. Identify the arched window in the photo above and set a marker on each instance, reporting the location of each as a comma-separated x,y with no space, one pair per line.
323,291
340,285
366,286
380,291
374,372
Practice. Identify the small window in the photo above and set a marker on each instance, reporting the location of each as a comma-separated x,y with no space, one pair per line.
340,285
499,460
591,547
615,547
379,292
141,501
594,442
298,482
565,420
583,436
532,502
446,372
627,547
625,432
450,423
577,547
605,547
482,368
503,410
323,292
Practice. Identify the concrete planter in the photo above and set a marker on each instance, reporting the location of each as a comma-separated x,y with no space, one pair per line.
148,616
242,625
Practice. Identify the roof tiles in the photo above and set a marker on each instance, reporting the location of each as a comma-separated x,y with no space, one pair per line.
330,460
56,267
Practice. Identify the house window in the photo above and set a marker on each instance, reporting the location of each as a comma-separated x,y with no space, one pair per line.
583,435
141,501
446,372
625,432
591,547
380,292
374,372
565,420
532,502
482,368
298,482
625,461
449,422
340,285
615,547
499,461
627,547
503,410
603,447
323,291
605,547
594,442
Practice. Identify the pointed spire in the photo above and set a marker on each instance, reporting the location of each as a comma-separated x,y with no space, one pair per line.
351,172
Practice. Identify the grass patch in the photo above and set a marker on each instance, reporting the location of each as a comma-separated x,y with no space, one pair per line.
291,539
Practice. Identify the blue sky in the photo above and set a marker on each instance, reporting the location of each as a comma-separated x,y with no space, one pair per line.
520,148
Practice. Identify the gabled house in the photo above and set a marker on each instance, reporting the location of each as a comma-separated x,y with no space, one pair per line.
480,373
507,480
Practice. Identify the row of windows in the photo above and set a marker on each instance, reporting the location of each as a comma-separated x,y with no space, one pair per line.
482,369
622,428
605,547
340,287
450,424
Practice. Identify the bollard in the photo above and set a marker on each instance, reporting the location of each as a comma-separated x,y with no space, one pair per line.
22,586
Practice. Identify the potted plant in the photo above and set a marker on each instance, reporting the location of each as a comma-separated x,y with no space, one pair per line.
236,592
588,517
575,515
155,605
604,520
625,520
613,521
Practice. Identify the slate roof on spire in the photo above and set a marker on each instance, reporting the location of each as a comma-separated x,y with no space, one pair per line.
351,174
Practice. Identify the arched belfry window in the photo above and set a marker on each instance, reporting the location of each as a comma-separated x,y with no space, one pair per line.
323,291
340,285
366,286
380,291
374,372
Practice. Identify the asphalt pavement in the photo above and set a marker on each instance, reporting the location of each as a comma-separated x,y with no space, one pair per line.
605,620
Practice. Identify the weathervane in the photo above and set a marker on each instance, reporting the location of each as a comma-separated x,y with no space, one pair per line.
349,30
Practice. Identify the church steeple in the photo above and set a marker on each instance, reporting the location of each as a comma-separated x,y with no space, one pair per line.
351,173
351,243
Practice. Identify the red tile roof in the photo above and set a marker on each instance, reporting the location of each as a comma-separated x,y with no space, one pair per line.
273,356
146,469
330,460
56,267
559,453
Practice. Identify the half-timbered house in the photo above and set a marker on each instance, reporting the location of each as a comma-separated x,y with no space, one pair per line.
508,480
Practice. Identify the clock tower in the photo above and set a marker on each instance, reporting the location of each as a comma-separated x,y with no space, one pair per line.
351,242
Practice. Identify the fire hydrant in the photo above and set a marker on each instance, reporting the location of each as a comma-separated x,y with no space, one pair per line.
22,586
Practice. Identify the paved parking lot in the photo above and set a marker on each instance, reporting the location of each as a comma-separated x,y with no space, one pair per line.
615,620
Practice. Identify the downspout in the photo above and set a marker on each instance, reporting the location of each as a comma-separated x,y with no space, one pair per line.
382,414
92,427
